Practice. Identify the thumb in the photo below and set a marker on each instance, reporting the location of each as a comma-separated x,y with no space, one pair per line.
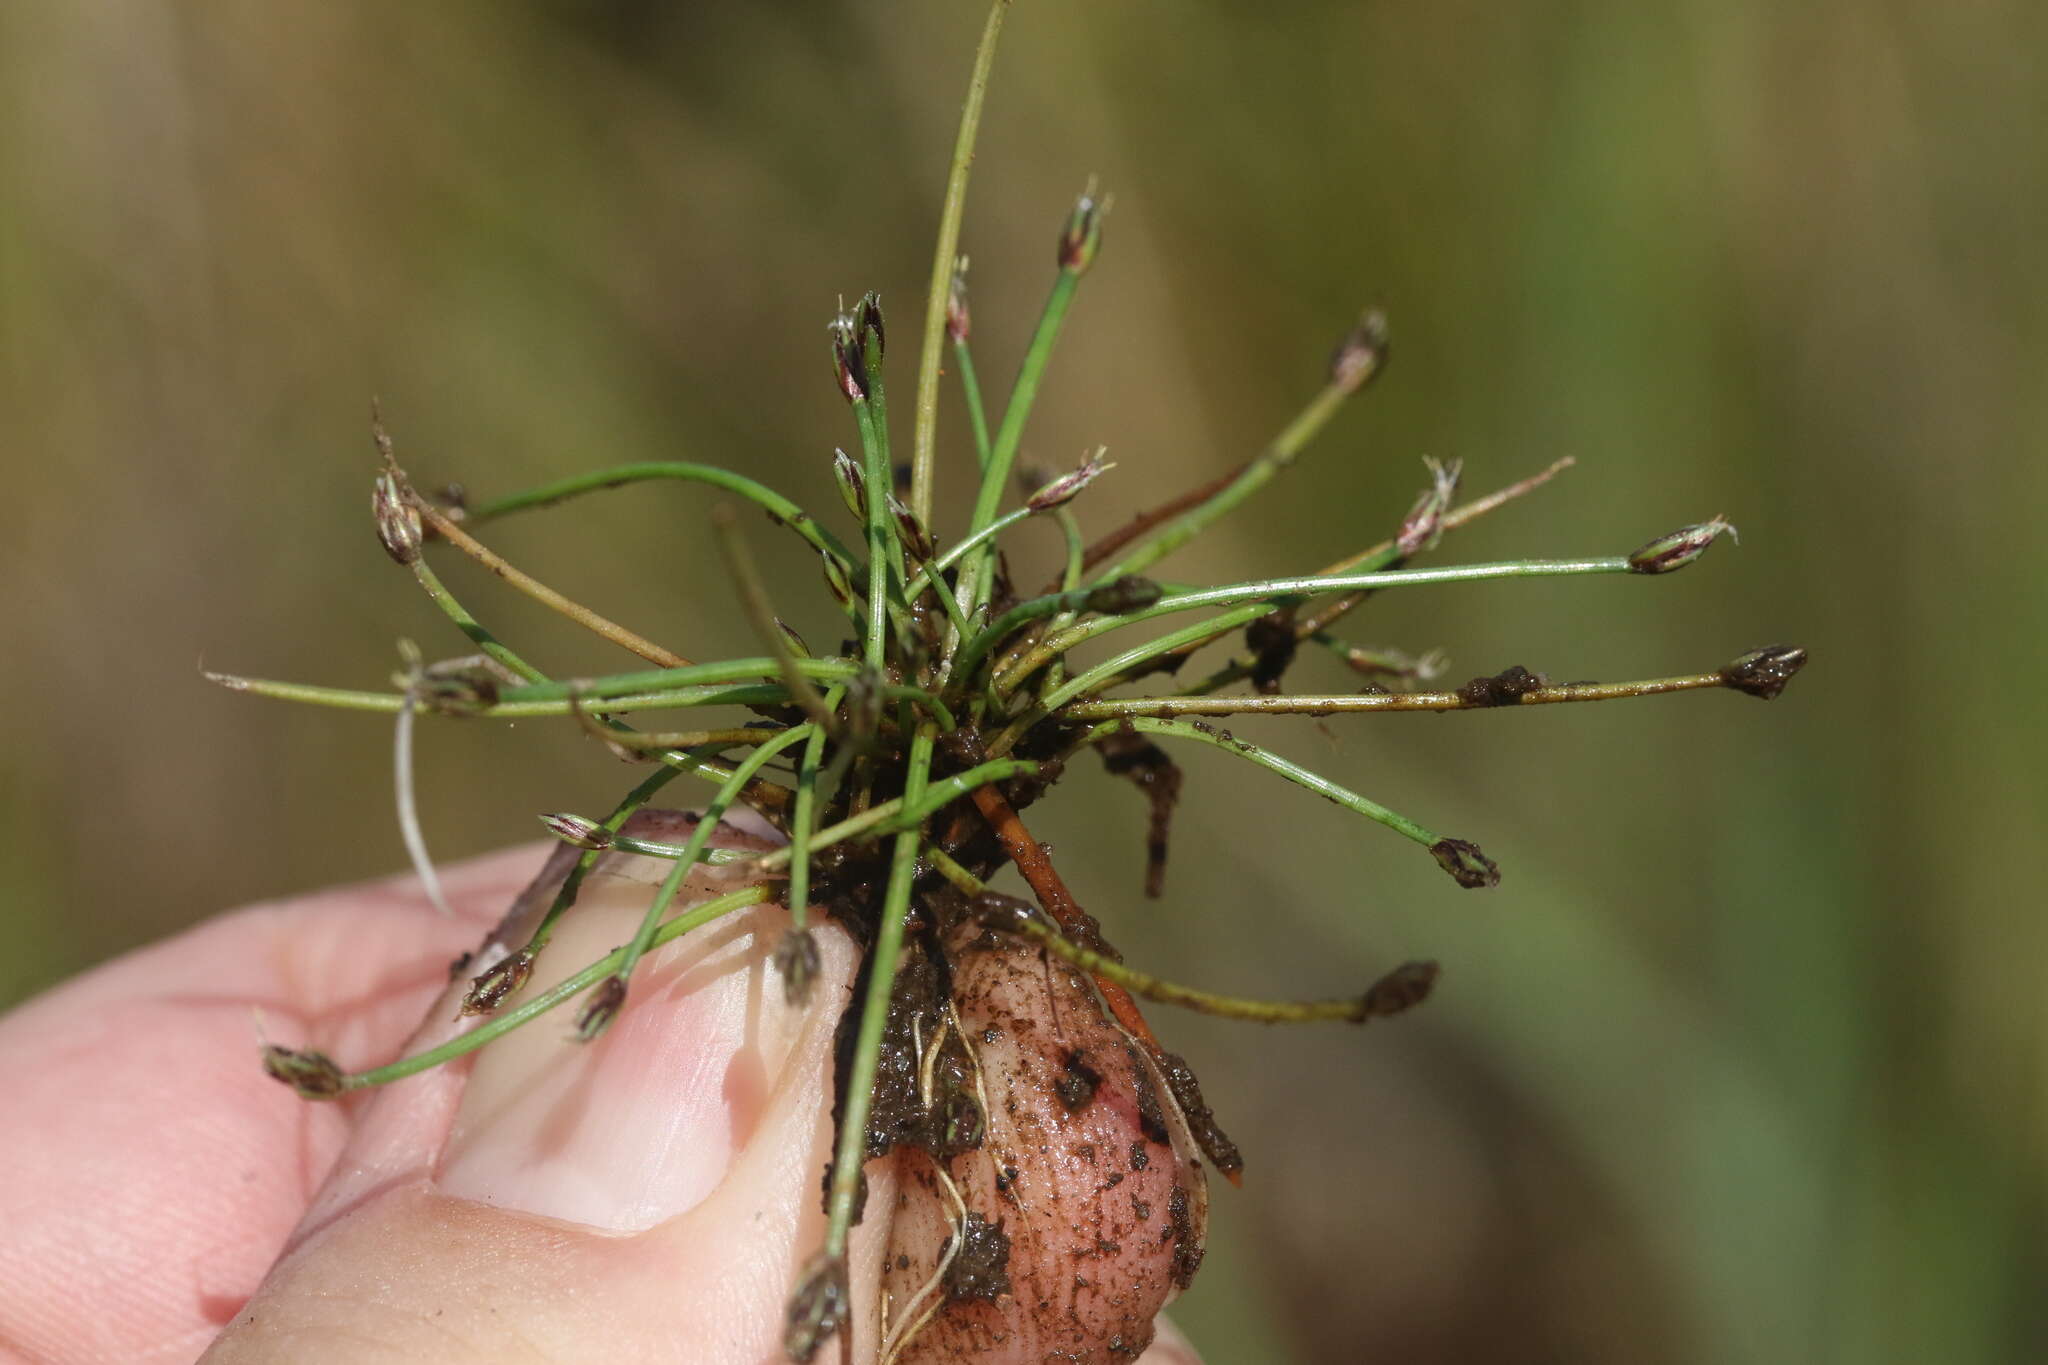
649,1196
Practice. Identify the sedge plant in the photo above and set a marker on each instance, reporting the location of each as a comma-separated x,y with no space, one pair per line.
899,767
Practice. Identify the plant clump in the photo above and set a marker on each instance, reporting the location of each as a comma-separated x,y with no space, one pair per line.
994,1046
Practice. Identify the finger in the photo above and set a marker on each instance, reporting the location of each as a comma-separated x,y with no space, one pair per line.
153,1171
649,1196
1169,1347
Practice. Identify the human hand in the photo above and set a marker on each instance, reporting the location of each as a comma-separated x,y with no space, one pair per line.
649,1197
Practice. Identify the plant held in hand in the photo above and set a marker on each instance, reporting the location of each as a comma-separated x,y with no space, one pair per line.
1050,1150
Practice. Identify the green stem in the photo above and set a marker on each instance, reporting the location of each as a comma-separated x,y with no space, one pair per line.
714,810
1293,772
923,458
501,1024
1291,441
851,1153
1258,593
611,824
804,817
468,624
770,501
1348,704
970,387
975,575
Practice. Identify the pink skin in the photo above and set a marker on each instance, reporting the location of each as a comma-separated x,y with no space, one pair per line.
158,1188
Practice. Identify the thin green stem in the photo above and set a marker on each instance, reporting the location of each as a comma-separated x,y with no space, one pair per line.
1293,772
924,448
803,820
388,703
1354,1009
611,825
436,590
501,1024
754,599
770,501
600,626
851,1152
1351,704
714,810
1259,594
1291,441
970,388
976,574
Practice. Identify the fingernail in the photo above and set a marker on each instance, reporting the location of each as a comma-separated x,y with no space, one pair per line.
628,1131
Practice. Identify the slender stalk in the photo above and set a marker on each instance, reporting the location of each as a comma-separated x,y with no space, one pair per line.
777,506
1354,1009
611,825
1258,594
976,574
614,685
714,810
543,594
1350,704
970,388
924,448
438,592
1384,555
754,598
501,1024
1272,762
388,703
850,1154
803,820
1292,440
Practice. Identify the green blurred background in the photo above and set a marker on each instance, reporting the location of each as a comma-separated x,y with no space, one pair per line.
1744,1059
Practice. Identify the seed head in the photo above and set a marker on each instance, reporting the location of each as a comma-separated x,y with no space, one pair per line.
818,1308
1068,486
1467,865
1680,548
398,521
577,831
1425,520
1362,353
1405,987
836,581
1082,236
849,367
853,484
313,1074
796,958
1764,672
603,1007
494,987
910,529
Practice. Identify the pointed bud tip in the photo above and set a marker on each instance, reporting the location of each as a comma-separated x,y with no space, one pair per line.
598,1013
1681,547
494,987
1362,353
577,830
1763,673
1402,989
398,521
314,1075
1064,489
818,1307
1081,238
798,962
1467,865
